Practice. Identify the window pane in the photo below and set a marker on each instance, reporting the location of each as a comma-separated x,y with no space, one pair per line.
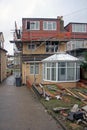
70,73
34,25
31,46
48,73
70,64
31,69
61,74
34,68
48,64
61,64
53,74
49,25
77,73
54,25
79,28
53,64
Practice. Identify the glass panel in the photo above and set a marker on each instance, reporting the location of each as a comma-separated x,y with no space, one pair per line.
53,64
31,69
53,75
44,25
61,74
77,74
49,25
34,25
48,73
78,65
31,46
79,28
70,73
61,64
48,64
70,64
36,69
54,25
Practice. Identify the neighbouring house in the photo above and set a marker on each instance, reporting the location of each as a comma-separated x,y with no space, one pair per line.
78,42
3,58
10,61
77,45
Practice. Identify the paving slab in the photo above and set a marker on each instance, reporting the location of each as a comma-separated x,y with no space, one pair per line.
20,109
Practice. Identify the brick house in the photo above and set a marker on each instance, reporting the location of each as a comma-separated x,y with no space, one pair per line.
41,38
78,42
2,58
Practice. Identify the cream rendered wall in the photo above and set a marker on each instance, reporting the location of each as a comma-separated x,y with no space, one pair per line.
39,50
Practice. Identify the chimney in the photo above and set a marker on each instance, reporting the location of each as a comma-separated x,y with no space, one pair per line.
60,18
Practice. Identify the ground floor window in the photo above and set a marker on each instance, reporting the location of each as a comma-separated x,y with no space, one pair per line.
61,71
34,68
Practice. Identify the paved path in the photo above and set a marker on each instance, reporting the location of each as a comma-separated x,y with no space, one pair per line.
20,109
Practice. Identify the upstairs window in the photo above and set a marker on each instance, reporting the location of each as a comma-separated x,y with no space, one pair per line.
48,25
33,25
79,28
31,46
51,46
75,44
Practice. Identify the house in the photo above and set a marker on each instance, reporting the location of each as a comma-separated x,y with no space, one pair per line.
78,42
2,58
41,38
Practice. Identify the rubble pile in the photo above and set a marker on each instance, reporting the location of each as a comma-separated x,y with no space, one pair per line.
78,114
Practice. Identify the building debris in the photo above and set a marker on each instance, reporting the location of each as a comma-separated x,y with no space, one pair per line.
84,108
75,108
78,114
57,109
58,97
83,95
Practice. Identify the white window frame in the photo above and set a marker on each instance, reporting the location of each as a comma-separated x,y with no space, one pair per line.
72,79
49,25
31,46
51,46
34,25
33,69
79,28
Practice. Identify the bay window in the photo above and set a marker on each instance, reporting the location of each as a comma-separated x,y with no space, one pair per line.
61,71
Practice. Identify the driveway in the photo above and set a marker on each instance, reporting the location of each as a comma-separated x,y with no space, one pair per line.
20,109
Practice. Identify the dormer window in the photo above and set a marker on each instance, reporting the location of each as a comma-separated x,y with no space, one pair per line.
33,25
49,25
79,28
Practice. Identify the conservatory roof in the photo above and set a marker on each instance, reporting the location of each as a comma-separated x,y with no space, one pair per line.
60,57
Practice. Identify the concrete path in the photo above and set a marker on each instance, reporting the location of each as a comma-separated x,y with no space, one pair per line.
20,109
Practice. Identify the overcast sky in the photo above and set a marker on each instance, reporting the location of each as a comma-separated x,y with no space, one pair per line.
15,10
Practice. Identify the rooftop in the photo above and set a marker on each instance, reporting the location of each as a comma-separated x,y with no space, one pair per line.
60,57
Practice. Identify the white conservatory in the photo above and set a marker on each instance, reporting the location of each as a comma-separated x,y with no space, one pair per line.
61,67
